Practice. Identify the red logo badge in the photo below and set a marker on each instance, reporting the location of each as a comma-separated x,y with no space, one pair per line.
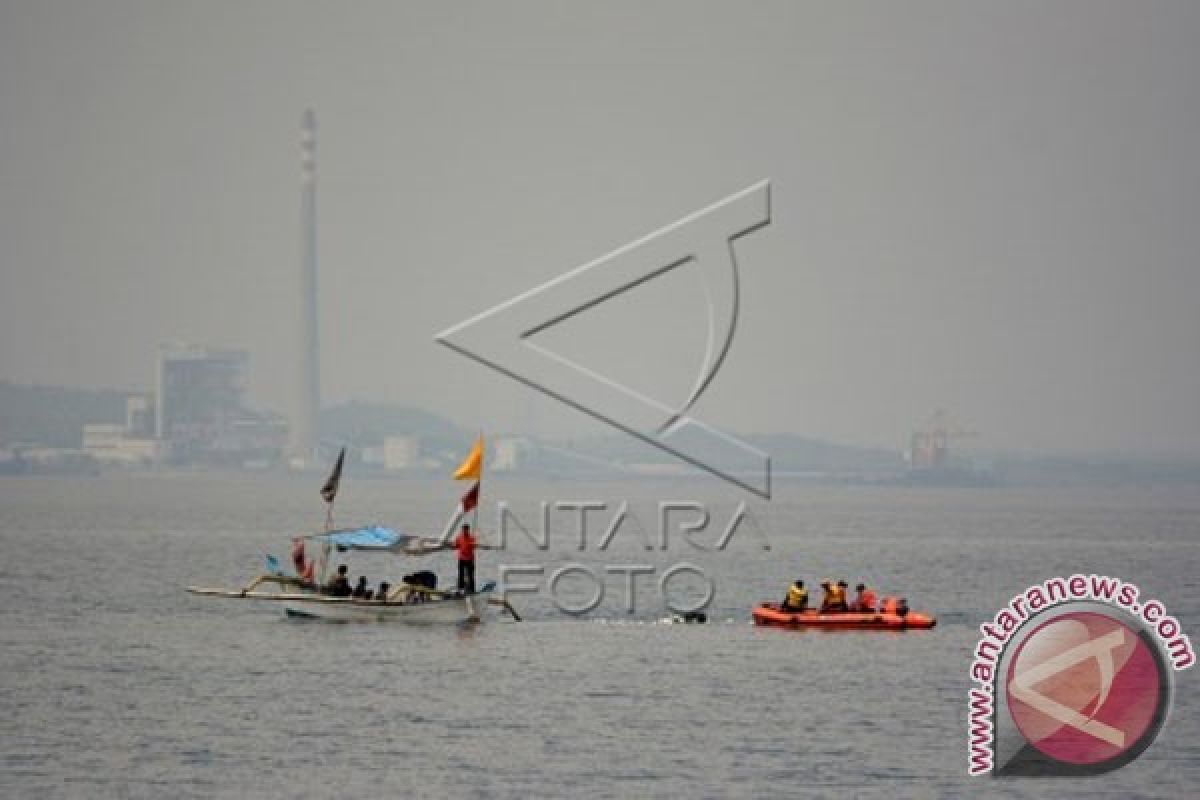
1084,689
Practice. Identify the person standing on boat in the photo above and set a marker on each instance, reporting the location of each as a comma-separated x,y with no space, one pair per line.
465,545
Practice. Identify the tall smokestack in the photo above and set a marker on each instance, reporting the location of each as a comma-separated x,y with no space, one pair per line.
308,373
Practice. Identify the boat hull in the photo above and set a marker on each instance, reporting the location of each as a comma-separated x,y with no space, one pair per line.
442,608
769,614
469,608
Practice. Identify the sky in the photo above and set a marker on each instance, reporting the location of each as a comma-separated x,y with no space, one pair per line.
984,207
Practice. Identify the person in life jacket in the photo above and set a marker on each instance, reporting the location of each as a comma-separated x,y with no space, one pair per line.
890,605
866,601
797,598
835,597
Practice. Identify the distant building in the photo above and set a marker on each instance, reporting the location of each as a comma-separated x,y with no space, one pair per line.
23,459
128,444
401,452
111,443
508,453
200,391
200,411
139,416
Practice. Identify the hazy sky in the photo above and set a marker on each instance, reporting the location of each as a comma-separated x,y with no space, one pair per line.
989,207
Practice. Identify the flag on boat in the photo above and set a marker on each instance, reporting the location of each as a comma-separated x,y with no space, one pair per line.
472,466
330,489
469,500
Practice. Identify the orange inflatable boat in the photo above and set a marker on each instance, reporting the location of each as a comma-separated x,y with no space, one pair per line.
770,614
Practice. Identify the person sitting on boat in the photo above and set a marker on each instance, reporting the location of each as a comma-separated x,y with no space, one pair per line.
844,593
866,601
415,582
797,598
382,593
424,578
360,589
835,597
890,605
340,585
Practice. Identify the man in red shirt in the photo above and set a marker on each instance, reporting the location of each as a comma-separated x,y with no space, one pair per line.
465,545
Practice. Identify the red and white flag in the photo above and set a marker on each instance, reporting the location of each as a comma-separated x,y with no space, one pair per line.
469,500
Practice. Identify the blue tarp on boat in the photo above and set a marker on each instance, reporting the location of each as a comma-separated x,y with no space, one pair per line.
373,537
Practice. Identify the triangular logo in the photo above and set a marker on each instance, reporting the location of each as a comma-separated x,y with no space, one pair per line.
503,337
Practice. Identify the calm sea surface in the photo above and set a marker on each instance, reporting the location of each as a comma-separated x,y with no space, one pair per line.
116,683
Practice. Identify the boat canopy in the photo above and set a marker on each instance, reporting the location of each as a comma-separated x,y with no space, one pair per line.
372,537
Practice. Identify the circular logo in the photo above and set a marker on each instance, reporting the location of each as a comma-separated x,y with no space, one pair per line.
1086,689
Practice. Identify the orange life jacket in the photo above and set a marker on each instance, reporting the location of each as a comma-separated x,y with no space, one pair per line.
890,605
868,601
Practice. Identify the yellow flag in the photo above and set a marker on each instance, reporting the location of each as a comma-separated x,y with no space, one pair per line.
472,466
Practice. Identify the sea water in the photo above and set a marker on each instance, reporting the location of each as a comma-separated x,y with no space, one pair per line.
114,682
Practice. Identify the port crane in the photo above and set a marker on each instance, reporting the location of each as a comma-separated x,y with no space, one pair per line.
930,448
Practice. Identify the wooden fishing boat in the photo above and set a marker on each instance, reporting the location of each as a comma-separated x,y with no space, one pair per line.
300,593
405,602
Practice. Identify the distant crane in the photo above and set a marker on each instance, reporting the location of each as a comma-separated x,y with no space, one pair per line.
930,448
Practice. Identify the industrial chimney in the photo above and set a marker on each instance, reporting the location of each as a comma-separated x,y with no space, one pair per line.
307,389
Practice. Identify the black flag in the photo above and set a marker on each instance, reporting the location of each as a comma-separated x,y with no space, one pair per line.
329,490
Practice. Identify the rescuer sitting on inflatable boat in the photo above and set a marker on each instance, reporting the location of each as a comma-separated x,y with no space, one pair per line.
797,597
866,601
835,597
